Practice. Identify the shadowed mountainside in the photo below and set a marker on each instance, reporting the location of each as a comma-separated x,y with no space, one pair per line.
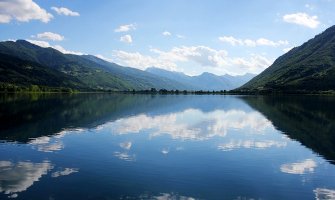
307,119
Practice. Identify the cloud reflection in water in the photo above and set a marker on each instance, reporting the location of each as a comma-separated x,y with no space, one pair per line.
192,124
17,177
324,194
65,172
249,144
302,167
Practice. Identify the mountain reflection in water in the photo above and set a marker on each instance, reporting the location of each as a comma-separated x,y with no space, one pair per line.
105,146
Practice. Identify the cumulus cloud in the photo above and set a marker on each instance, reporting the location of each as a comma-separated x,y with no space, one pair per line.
231,40
198,55
49,36
65,11
126,38
166,33
45,44
302,167
252,43
140,61
104,58
285,50
22,11
125,28
302,19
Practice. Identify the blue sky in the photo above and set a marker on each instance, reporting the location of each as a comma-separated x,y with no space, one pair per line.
217,36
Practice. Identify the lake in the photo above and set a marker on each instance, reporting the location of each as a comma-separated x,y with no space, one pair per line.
108,146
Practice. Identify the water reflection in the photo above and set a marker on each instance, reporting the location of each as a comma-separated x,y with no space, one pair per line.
305,166
125,145
65,172
124,156
190,147
18,177
248,144
324,194
307,119
192,124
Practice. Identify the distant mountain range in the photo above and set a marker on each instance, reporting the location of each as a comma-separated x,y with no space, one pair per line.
205,81
24,64
309,67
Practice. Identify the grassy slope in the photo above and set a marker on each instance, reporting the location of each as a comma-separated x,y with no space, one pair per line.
93,73
308,67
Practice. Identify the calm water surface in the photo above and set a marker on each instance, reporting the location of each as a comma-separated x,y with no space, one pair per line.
167,147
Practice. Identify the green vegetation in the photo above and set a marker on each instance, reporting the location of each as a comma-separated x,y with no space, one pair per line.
23,64
309,68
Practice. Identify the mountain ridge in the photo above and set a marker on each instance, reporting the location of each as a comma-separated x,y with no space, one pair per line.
204,81
88,72
309,67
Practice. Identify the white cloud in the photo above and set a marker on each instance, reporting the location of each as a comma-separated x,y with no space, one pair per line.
49,36
181,36
104,58
125,28
5,18
45,44
141,61
302,19
65,172
166,33
40,43
252,43
285,50
198,55
126,38
61,49
231,40
22,11
324,194
307,165
65,11
310,6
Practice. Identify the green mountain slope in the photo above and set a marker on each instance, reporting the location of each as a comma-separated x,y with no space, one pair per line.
88,72
310,67
140,79
18,72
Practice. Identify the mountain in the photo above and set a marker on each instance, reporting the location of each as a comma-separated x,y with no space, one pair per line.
73,71
15,70
138,78
205,81
309,67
